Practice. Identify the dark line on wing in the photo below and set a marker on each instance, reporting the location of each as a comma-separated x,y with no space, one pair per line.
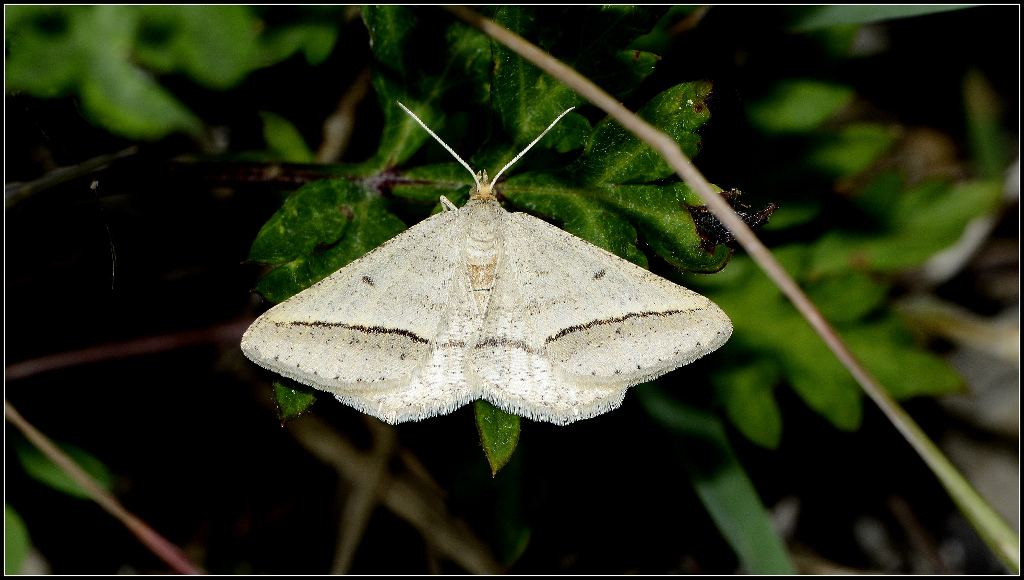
506,342
364,329
593,323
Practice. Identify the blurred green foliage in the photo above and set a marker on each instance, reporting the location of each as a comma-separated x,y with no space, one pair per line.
848,271
112,57
40,468
16,541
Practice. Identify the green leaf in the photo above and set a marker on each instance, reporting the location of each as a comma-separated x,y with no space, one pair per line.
323,226
768,325
854,149
661,38
109,56
575,211
214,45
317,213
811,18
847,296
293,399
525,98
499,434
589,201
887,349
284,141
721,483
879,197
40,468
315,40
923,221
54,51
746,392
53,35
128,103
417,65
817,376
427,183
984,125
591,40
615,155
16,541
798,106
792,214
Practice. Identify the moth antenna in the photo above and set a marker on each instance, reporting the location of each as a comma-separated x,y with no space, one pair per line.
523,152
445,145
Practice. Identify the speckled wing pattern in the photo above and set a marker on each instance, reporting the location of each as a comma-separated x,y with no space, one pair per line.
480,303
570,326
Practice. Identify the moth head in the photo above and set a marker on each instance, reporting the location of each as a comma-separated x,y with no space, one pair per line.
482,189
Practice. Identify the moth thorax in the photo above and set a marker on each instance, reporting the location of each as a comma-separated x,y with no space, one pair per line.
482,251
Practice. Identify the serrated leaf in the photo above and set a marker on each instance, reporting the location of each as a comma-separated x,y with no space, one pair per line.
292,398
615,155
40,468
317,213
720,481
591,40
605,214
499,433
323,226
573,209
16,541
662,215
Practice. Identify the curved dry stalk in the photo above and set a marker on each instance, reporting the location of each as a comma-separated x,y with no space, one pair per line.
15,193
159,545
996,533
228,333
408,496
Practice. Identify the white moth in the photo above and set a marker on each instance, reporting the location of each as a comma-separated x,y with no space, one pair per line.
479,303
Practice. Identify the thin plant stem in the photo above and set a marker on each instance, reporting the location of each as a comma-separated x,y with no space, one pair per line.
992,528
159,545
